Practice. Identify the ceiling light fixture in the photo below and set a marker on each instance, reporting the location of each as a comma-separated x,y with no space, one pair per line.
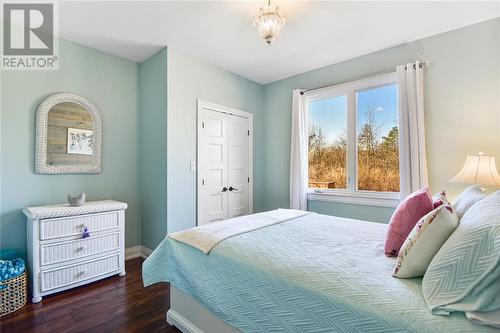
269,22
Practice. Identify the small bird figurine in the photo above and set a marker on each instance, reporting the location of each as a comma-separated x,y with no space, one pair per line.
79,200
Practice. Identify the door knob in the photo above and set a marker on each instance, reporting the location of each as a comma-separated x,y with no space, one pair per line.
224,189
232,188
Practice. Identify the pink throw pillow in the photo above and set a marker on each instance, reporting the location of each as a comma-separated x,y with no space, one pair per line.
406,215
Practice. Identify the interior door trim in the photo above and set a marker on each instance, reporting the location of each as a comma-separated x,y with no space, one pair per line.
235,112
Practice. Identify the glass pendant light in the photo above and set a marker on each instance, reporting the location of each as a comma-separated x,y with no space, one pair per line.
269,22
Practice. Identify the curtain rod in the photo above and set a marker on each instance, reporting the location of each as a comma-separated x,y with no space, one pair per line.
420,65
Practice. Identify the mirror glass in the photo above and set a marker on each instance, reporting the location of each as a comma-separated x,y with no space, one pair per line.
70,135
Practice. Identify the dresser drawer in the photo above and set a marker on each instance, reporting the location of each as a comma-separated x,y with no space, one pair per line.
68,275
74,225
58,252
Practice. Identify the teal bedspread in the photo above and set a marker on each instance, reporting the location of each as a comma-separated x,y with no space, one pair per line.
313,274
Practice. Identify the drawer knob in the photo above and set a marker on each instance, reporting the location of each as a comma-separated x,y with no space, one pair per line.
86,233
81,248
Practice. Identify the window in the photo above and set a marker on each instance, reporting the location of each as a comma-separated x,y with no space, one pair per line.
377,139
354,140
327,143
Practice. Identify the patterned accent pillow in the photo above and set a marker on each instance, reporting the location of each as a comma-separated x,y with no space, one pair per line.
424,241
465,273
467,198
440,199
406,215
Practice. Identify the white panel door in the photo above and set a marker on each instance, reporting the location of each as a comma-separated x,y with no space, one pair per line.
224,165
212,166
237,166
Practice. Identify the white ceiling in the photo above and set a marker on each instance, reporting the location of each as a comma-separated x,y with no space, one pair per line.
317,33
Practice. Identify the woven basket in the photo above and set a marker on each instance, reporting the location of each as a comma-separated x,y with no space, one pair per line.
14,296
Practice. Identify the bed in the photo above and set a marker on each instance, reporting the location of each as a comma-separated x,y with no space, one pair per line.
312,273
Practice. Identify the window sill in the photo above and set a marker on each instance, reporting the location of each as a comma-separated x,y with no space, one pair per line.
385,199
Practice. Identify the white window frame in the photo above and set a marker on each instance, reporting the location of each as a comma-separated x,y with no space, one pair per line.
352,195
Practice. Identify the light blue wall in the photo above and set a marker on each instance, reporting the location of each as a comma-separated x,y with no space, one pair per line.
360,212
132,99
153,148
190,79
462,108
110,83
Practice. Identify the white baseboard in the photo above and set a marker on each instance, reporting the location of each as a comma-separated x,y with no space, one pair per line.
132,252
145,252
138,251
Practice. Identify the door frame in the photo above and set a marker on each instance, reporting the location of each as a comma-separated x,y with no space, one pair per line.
201,104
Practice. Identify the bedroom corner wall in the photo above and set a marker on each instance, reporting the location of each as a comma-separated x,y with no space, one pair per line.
110,82
190,79
462,109
152,123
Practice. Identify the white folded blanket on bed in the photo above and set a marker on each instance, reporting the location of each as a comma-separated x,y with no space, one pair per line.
205,237
491,318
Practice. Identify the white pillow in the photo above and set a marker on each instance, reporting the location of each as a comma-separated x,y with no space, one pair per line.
465,273
467,198
424,241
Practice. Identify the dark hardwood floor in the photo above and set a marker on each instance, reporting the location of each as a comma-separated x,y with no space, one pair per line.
115,304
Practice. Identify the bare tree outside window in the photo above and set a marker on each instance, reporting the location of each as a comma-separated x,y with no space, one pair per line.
328,144
378,157
327,161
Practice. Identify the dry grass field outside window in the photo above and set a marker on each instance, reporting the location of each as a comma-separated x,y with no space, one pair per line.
377,158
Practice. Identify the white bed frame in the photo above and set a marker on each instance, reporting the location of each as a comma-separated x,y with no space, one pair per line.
189,316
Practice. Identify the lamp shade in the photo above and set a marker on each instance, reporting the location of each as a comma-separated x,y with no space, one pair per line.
478,169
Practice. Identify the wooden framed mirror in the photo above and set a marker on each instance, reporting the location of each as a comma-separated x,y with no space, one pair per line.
68,135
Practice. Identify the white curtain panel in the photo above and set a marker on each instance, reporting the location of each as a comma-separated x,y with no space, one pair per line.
298,155
412,159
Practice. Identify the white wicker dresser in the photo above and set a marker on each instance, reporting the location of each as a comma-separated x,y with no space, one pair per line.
59,258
